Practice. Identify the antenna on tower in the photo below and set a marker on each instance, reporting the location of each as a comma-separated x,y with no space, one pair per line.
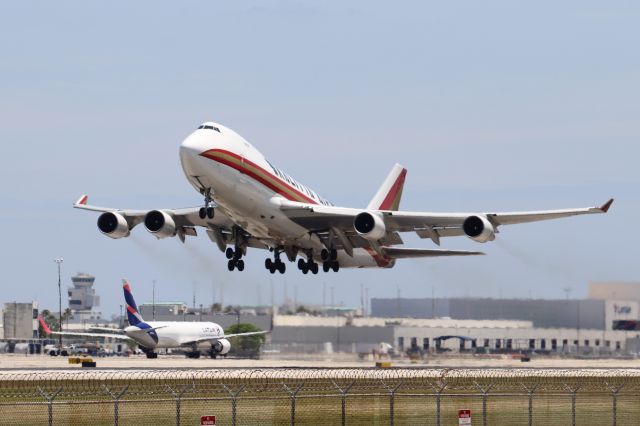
567,291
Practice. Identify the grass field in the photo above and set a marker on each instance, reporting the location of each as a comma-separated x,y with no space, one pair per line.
267,397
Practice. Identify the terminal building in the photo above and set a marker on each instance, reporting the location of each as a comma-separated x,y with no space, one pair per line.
587,327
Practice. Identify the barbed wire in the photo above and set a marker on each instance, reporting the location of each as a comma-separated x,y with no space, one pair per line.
147,382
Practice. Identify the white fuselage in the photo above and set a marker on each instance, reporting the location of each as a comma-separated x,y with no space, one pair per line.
173,334
246,187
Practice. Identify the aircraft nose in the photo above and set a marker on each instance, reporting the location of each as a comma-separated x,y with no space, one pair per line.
194,144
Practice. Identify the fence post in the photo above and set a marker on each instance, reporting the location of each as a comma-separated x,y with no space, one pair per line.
178,397
530,392
392,396
50,398
293,393
116,401
485,394
234,397
438,392
614,395
343,396
573,392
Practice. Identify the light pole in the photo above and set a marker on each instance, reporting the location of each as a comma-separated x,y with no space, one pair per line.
59,261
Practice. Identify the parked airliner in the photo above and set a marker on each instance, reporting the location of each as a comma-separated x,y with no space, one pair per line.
152,335
249,202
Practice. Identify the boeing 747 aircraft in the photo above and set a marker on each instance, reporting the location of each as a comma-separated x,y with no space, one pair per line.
152,335
249,202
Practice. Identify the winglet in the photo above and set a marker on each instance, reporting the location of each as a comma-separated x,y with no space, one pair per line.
82,201
44,325
605,206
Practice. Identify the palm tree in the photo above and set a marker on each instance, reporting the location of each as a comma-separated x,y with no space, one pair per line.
66,315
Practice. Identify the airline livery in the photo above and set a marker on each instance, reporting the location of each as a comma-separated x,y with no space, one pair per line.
151,335
249,202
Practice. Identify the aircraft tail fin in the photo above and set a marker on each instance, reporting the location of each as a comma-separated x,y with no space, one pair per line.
44,325
389,194
133,316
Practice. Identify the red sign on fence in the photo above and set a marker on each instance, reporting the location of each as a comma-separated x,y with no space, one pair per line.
208,421
464,417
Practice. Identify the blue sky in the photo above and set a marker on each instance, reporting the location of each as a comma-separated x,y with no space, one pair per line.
491,106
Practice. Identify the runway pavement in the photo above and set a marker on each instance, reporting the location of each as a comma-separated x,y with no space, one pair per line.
46,362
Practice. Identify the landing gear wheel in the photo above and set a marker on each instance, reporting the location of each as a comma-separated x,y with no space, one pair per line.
314,268
301,264
152,355
335,266
229,253
326,266
210,212
240,265
305,270
231,265
324,254
202,212
268,263
333,254
282,267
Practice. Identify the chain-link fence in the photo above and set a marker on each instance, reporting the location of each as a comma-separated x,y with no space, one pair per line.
322,396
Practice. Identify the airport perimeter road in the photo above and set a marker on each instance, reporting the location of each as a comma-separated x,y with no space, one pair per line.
33,362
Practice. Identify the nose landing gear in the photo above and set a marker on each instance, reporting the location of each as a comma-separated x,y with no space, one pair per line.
208,210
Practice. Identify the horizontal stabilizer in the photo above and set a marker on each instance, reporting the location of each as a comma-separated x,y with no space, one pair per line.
406,253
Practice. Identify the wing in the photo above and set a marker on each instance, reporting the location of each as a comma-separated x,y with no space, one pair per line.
104,335
226,336
115,330
406,253
320,218
251,333
219,229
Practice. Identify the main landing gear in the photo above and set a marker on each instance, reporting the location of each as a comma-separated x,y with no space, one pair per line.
235,259
330,260
207,211
149,353
276,264
308,265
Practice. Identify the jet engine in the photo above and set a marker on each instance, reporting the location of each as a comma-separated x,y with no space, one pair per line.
160,224
479,229
370,225
221,347
113,225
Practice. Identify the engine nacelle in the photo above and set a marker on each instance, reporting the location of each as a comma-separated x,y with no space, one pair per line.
113,225
479,229
221,347
370,225
160,224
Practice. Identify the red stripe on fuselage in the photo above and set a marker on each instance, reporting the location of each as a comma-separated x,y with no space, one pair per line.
210,154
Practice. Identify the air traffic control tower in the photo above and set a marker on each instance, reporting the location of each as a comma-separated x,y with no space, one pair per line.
83,298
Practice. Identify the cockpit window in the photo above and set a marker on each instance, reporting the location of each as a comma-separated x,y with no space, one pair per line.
208,127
